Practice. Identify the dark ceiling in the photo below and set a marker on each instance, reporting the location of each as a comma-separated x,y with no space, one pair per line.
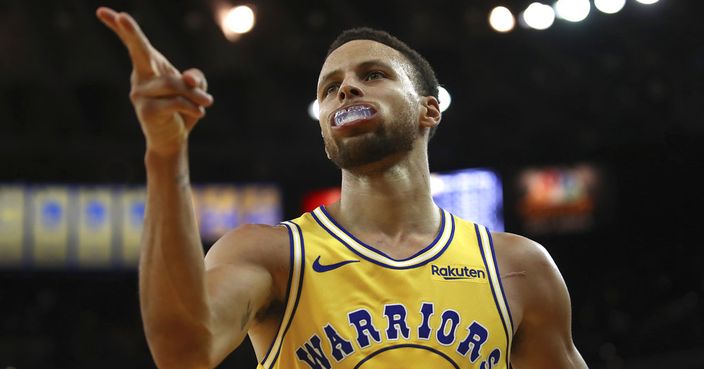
624,91
615,87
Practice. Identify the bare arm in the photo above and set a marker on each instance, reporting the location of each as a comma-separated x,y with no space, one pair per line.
172,287
193,316
194,312
540,303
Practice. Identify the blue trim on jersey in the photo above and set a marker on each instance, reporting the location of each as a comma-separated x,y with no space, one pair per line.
372,248
288,288
298,294
404,346
493,252
449,241
493,290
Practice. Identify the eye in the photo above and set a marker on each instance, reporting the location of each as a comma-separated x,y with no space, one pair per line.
374,75
330,89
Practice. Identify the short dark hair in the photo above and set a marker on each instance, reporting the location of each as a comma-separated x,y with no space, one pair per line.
423,75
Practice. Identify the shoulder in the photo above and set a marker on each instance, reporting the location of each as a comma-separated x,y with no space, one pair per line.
255,243
519,252
254,247
532,280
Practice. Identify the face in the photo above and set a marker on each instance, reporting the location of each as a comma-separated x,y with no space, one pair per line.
368,104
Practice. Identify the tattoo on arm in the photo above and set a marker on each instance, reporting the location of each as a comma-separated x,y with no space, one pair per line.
246,315
182,181
521,273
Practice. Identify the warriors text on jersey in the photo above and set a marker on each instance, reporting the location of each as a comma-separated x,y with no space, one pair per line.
350,306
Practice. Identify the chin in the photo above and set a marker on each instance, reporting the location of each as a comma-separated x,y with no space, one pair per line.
379,148
369,155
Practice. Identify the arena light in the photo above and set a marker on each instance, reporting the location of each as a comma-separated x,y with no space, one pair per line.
538,16
235,21
444,98
647,2
572,10
314,110
609,6
501,19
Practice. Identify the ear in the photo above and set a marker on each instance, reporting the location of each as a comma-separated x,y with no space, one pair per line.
430,114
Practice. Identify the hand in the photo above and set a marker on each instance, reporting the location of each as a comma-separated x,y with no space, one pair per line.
168,103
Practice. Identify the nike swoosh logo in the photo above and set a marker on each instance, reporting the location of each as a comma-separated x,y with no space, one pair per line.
320,268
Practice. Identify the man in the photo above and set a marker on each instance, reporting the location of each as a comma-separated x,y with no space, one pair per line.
313,292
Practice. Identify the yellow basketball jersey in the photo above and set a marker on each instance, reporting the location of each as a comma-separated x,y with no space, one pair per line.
350,306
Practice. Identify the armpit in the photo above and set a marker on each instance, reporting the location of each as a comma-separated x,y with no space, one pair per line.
275,308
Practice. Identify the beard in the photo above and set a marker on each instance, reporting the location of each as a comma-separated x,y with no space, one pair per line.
352,152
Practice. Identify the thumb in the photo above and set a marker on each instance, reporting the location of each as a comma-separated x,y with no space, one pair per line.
194,78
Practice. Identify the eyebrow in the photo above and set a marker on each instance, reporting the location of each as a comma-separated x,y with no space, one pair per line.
363,65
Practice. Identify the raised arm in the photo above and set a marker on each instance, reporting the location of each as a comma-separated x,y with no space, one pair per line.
193,314
540,306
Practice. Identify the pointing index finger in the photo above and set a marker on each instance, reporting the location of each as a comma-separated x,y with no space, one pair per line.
138,46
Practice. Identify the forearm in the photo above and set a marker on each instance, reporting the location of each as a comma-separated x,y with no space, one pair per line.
171,274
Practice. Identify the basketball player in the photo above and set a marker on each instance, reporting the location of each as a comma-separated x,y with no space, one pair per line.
382,279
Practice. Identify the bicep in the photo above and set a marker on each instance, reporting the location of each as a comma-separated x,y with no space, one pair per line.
236,292
544,337
239,284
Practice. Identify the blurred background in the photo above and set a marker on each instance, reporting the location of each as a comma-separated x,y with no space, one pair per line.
581,130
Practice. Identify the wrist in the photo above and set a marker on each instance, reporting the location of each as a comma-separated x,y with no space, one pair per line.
173,160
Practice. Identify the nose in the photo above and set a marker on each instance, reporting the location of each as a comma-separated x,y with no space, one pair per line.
348,90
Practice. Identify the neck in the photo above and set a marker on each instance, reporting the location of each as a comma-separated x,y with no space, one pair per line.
392,198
